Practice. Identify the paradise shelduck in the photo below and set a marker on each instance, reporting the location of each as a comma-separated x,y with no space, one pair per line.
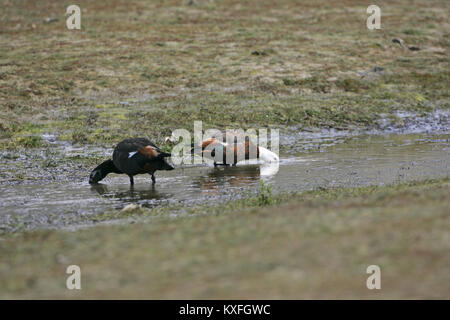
243,150
132,157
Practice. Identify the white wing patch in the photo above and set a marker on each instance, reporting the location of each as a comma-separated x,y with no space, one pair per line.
132,154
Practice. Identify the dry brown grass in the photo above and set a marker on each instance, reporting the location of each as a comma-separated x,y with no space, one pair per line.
258,63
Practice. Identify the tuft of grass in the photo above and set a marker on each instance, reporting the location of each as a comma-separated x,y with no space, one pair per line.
29,141
412,32
265,197
79,137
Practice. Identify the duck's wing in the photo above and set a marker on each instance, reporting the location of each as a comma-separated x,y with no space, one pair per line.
143,146
211,142
151,150
131,155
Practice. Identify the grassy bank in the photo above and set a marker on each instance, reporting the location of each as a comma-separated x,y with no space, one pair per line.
148,67
313,245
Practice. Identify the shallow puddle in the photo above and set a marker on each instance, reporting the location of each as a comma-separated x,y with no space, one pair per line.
358,161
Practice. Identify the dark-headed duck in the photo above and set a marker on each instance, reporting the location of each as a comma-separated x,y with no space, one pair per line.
132,157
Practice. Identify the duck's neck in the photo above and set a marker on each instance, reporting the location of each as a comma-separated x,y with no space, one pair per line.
108,167
102,170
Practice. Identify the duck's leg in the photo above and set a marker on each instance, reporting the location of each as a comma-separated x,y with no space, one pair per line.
153,178
131,180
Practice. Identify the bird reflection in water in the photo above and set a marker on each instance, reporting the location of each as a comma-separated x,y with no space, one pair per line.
127,194
192,185
220,179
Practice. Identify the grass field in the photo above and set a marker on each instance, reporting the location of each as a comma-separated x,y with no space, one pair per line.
148,67
313,245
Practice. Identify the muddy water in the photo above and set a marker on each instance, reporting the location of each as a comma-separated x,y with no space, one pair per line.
355,161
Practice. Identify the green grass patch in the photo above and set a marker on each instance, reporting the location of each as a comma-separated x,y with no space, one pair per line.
313,245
